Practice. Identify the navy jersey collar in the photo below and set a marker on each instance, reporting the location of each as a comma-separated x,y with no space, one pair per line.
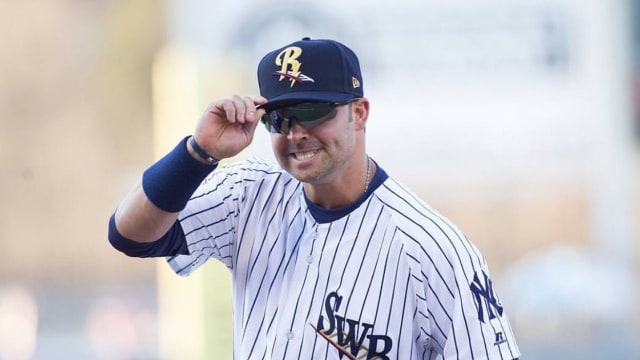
322,215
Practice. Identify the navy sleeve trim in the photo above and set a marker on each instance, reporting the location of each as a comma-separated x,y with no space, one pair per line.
170,244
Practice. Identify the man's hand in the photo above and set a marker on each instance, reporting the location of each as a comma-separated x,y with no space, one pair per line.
227,125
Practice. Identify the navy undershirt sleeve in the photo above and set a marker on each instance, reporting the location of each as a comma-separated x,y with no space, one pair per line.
171,244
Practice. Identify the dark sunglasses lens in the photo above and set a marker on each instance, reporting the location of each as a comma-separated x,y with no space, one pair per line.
277,121
274,122
309,111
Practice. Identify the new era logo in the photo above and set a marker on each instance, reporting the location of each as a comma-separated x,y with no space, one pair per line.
356,82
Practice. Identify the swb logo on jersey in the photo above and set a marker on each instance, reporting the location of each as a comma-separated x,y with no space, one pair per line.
485,297
349,336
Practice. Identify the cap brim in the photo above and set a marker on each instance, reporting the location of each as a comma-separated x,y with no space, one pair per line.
306,96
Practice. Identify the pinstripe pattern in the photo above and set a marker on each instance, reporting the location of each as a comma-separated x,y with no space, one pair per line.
391,278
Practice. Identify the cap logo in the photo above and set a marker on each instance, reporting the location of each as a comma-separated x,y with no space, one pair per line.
355,82
290,66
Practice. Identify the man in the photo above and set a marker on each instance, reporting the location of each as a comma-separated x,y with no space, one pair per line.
330,257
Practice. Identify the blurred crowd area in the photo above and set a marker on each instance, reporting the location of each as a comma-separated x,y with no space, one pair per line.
515,120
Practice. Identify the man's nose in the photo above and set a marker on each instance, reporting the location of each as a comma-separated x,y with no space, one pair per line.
297,132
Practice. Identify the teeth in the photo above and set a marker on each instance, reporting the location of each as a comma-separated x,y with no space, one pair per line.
304,155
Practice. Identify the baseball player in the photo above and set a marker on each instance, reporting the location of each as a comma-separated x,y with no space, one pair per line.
331,258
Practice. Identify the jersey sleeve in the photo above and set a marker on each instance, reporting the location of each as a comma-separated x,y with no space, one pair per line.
462,316
210,219
479,327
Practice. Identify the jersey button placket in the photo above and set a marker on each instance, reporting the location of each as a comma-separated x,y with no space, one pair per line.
313,245
296,289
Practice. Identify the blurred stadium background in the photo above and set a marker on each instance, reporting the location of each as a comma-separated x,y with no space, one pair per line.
519,120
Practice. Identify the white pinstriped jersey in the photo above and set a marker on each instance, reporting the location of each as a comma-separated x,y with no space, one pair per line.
391,279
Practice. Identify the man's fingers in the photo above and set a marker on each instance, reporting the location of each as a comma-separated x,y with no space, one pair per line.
250,109
259,100
240,109
230,110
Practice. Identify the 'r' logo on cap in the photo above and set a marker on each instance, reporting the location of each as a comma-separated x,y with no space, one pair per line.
290,66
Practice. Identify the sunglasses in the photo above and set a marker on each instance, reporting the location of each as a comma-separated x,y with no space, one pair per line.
308,115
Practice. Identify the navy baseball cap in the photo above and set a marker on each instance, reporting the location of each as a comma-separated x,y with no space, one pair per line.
309,70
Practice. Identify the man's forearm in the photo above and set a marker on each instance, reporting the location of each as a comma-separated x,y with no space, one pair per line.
140,220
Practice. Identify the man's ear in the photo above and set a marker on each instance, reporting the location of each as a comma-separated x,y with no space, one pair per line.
360,113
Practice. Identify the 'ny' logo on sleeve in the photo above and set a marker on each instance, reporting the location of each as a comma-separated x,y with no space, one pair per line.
485,297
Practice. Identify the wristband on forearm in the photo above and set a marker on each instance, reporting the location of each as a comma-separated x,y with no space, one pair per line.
170,182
